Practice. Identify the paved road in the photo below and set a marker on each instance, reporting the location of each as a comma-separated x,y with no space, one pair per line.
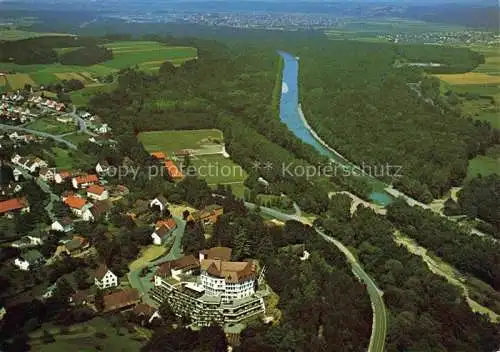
45,188
81,122
38,133
379,325
379,328
142,284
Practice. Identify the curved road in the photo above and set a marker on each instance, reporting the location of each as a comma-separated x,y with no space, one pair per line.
379,327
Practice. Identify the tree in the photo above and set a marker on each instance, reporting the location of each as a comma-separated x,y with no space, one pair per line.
47,337
99,300
81,278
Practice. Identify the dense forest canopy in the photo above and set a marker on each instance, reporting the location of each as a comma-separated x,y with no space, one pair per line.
480,198
378,114
41,50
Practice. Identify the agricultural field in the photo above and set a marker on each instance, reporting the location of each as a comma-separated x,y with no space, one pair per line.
485,164
147,55
81,97
469,78
50,125
201,141
17,34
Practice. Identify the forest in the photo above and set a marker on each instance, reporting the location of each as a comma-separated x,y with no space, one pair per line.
469,253
426,312
370,111
41,50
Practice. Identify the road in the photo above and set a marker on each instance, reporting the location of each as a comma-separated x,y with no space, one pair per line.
39,133
81,122
142,284
379,327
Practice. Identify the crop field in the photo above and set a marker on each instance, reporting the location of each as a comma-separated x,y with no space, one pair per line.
470,78
18,80
147,55
81,97
17,34
172,141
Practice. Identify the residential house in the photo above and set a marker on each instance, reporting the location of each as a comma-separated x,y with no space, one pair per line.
215,253
3,312
102,167
146,313
62,176
81,298
84,181
29,260
14,205
104,278
79,207
47,174
162,231
27,241
159,202
63,225
121,300
64,118
17,174
209,214
173,170
97,192
161,156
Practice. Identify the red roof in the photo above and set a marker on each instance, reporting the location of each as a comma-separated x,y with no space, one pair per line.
168,223
75,202
13,204
159,155
121,299
172,169
65,174
86,179
95,189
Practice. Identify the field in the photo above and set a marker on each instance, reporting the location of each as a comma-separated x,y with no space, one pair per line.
50,125
485,164
77,138
470,78
172,141
17,34
208,160
216,169
81,97
147,55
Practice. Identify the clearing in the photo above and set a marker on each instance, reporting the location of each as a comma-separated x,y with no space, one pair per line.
200,141
485,164
469,78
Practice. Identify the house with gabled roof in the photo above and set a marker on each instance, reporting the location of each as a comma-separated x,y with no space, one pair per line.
29,260
104,278
14,205
84,181
97,192
79,207
62,225
160,202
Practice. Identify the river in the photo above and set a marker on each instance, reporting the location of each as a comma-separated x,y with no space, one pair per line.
291,114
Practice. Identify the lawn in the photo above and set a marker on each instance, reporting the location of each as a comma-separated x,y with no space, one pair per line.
82,338
77,138
483,109
147,255
216,169
50,125
172,141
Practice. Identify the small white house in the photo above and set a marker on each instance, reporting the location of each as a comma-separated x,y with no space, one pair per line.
97,192
104,278
47,174
17,174
28,260
102,167
159,202
64,225
27,241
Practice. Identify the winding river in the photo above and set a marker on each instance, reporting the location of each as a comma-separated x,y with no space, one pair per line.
291,114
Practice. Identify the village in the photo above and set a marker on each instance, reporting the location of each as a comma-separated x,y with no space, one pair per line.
67,203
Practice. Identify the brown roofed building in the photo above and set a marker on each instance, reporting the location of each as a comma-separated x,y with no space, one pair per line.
121,300
231,272
186,265
12,205
222,253
209,214
104,278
